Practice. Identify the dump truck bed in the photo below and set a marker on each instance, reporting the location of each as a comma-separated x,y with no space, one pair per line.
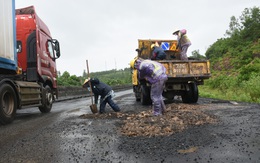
169,46
185,71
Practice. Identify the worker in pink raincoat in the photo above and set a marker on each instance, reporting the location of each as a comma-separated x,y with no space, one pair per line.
183,42
154,73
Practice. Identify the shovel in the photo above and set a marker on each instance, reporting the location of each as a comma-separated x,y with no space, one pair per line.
93,107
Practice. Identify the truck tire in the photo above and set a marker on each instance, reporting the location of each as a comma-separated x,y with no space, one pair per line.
195,93
137,97
192,95
145,95
8,104
137,92
47,104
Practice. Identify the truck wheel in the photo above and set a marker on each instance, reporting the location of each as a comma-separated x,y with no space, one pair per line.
8,104
192,95
47,104
137,97
137,92
145,95
195,93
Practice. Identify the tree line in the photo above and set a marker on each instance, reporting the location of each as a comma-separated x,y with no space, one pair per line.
111,77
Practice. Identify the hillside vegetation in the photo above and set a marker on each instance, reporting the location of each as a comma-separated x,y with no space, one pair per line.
235,60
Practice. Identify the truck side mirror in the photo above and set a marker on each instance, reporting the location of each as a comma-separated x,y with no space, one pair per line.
56,47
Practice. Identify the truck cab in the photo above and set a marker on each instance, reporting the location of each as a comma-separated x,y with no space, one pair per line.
36,50
28,56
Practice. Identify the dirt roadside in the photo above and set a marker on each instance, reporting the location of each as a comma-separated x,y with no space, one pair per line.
210,131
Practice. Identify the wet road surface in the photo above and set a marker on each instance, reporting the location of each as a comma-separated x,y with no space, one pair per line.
63,136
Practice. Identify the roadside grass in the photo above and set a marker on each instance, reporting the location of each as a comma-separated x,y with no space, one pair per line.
242,88
238,94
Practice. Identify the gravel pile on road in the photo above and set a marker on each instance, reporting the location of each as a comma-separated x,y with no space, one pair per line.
142,123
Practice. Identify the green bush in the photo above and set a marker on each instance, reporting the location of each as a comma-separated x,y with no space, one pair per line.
249,70
252,87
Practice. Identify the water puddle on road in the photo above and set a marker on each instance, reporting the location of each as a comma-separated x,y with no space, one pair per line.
79,111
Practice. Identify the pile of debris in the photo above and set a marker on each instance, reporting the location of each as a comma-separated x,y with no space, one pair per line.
177,118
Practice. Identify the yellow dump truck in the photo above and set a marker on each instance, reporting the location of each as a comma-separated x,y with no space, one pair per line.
183,76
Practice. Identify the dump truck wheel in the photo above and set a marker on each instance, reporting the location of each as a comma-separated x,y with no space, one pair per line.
145,95
8,104
47,105
192,95
136,90
137,97
195,93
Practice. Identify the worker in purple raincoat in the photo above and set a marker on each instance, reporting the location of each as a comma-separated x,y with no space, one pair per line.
154,73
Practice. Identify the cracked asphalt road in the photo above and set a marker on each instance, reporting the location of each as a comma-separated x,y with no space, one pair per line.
70,133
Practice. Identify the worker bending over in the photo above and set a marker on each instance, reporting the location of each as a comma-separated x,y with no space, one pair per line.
154,73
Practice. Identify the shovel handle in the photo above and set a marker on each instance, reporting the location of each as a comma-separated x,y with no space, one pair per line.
91,93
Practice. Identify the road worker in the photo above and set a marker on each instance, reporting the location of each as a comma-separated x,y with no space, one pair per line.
183,42
154,73
157,52
104,91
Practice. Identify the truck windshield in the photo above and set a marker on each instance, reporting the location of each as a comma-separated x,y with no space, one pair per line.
18,46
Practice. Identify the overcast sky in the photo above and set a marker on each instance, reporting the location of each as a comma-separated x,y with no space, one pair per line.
105,32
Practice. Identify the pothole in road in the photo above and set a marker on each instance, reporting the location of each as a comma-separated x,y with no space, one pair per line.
177,118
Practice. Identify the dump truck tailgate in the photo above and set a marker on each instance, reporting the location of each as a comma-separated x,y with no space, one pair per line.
183,69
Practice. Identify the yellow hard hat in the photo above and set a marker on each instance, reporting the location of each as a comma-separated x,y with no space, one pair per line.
153,45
